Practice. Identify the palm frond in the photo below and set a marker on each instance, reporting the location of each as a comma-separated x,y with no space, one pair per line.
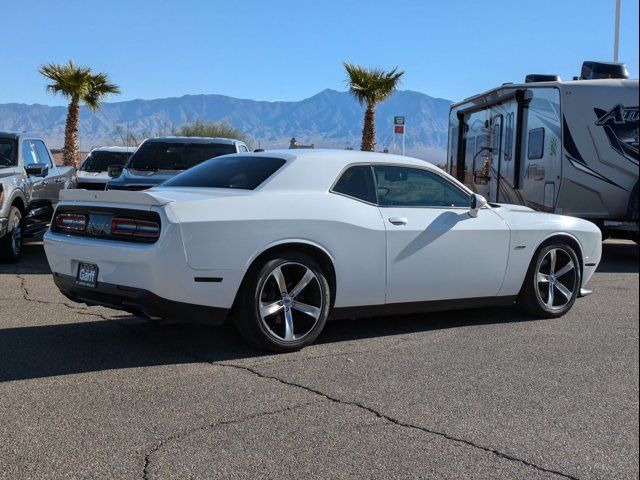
99,86
371,85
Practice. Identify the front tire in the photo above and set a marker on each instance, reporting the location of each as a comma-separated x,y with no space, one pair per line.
553,282
11,243
284,303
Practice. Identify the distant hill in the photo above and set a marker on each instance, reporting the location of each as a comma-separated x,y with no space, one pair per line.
327,119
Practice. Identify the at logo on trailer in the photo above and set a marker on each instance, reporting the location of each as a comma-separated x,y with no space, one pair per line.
618,115
620,124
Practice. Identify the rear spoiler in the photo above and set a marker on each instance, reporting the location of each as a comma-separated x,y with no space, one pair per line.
113,196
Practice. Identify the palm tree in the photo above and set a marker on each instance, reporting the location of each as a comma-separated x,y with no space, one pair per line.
77,84
371,86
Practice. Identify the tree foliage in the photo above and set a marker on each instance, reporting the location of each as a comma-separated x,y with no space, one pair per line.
370,86
201,128
78,84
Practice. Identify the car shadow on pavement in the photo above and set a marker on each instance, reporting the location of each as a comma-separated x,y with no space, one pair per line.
129,342
619,257
32,261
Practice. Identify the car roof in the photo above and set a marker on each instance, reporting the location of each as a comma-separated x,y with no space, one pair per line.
19,134
227,141
317,169
114,149
341,158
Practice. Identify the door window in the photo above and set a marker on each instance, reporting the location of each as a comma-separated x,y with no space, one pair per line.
357,182
43,153
414,187
29,154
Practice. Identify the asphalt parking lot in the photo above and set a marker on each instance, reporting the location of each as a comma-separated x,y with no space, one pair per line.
94,393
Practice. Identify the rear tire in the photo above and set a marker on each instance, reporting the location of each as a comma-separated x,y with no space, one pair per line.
284,303
553,282
11,243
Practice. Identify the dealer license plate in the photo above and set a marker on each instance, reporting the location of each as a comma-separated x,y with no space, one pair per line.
87,275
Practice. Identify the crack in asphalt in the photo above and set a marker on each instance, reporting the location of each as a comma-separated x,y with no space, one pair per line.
400,423
185,433
378,414
392,420
26,295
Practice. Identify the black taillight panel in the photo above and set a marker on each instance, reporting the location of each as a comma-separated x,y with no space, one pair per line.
109,223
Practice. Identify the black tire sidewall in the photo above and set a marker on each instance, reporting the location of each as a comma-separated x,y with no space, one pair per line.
6,249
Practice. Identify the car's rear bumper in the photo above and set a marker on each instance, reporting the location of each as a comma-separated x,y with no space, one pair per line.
159,268
138,301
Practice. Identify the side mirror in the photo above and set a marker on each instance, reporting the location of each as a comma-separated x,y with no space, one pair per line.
36,170
476,202
114,171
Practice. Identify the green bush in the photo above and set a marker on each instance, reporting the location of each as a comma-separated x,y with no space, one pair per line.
200,128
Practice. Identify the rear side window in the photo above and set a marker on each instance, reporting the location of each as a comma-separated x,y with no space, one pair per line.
535,149
242,173
357,182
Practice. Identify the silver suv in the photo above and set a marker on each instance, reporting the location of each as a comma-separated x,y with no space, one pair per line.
30,184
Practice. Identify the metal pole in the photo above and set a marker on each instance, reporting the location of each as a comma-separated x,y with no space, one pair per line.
616,35
393,136
404,132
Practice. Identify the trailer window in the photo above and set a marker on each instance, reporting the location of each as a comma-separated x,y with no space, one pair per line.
535,145
508,142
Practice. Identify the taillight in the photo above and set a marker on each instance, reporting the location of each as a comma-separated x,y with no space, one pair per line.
134,228
72,222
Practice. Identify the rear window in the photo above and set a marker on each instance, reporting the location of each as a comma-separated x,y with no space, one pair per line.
99,161
239,172
8,152
176,155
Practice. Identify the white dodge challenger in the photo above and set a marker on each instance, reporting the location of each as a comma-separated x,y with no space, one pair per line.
279,242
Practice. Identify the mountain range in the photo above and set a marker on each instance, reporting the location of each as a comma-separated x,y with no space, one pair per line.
329,119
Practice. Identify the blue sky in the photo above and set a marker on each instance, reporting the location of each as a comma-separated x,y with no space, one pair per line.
290,50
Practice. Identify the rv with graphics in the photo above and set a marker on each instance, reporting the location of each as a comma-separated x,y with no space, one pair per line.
567,147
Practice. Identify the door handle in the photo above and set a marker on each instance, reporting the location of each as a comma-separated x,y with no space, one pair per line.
398,220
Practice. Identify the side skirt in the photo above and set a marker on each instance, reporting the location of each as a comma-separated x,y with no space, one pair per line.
420,307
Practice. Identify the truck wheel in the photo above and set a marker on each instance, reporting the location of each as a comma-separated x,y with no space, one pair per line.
553,282
11,243
284,304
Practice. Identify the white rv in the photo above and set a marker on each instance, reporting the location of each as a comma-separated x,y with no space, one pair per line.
569,147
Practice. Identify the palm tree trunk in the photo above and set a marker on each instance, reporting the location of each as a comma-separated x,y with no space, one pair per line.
70,156
369,129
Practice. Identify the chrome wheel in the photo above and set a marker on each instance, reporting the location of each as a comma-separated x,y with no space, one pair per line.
16,235
556,279
291,302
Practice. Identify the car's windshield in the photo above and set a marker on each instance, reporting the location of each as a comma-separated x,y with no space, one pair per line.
239,172
176,155
8,152
99,161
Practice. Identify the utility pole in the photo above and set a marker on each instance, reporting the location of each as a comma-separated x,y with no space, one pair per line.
616,34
